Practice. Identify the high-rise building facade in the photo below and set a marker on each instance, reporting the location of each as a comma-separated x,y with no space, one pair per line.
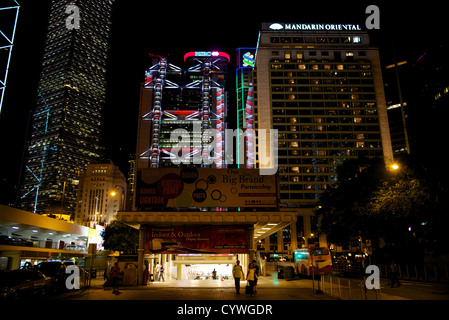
101,194
9,12
244,70
320,86
66,125
188,100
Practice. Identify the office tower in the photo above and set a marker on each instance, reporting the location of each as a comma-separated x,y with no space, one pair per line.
190,101
101,194
66,125
244,70
9,13
320,86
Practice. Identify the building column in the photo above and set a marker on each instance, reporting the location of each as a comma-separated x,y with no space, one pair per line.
140,253
307,229
280,244
294,236
251,244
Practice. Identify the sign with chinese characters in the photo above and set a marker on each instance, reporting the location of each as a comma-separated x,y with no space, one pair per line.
204,187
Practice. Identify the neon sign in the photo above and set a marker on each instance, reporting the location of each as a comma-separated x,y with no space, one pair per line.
207,54
314,27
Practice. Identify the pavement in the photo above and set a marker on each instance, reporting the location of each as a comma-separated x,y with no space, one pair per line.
269,289
215,299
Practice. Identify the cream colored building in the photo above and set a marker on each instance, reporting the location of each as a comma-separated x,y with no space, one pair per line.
101,194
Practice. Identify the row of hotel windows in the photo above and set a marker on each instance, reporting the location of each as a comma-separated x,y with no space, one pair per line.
324,65
333,40
318,96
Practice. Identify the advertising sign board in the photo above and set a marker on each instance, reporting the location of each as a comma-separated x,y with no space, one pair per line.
204,187
197,239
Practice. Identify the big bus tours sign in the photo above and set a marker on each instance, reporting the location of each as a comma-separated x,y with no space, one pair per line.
203,187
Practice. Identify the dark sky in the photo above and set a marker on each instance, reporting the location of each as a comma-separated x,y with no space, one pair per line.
166,27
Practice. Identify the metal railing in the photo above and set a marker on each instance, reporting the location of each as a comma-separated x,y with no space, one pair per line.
422,272
348,289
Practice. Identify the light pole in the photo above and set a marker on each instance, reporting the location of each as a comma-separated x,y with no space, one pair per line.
96,210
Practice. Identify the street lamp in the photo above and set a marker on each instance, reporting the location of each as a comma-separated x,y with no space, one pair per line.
395,166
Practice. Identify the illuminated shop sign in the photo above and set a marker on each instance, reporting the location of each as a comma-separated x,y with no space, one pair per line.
207,54
195,240
314,27
246,57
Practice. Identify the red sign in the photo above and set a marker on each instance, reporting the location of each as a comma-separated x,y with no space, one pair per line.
197,239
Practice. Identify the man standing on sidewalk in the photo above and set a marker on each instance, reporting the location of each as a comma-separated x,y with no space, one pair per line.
115,274
237,272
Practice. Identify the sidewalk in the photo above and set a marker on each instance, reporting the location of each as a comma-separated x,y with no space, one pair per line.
268,288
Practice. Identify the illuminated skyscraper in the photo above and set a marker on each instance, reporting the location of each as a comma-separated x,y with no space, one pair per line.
190,100
320,86
66,126
9,13
245,67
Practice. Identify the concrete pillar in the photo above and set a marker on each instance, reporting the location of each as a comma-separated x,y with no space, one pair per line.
140,253
294,236
307,228
280,237
251,244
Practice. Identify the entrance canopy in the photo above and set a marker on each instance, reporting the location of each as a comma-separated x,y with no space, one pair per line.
265,222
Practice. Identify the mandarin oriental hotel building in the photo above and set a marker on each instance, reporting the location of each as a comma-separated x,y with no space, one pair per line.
319,85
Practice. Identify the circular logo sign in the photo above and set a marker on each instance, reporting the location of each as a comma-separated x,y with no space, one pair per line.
170,186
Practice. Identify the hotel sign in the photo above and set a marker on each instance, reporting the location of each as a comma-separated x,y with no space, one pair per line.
312,27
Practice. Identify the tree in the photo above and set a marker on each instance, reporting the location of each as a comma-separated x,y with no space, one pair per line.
341,209
399,211
121,237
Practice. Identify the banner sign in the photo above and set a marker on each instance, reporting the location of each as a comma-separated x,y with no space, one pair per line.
197,239
204,187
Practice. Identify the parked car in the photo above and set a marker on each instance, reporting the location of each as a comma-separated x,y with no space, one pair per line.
19,284
55,270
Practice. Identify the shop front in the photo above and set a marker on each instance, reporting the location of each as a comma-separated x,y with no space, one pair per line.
190,245
195,252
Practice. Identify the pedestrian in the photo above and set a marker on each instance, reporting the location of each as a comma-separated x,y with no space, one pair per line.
214,274
158,269
237,272
161,273
252,277
394,274
257,274
115,274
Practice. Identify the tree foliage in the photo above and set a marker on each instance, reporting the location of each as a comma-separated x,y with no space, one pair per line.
121,237
400,210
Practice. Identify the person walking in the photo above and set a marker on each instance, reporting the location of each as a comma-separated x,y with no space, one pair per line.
257,274
237,273
394,274
115,274
157,269
161,273
252,277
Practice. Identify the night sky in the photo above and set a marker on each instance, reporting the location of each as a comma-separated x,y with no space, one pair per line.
170,28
